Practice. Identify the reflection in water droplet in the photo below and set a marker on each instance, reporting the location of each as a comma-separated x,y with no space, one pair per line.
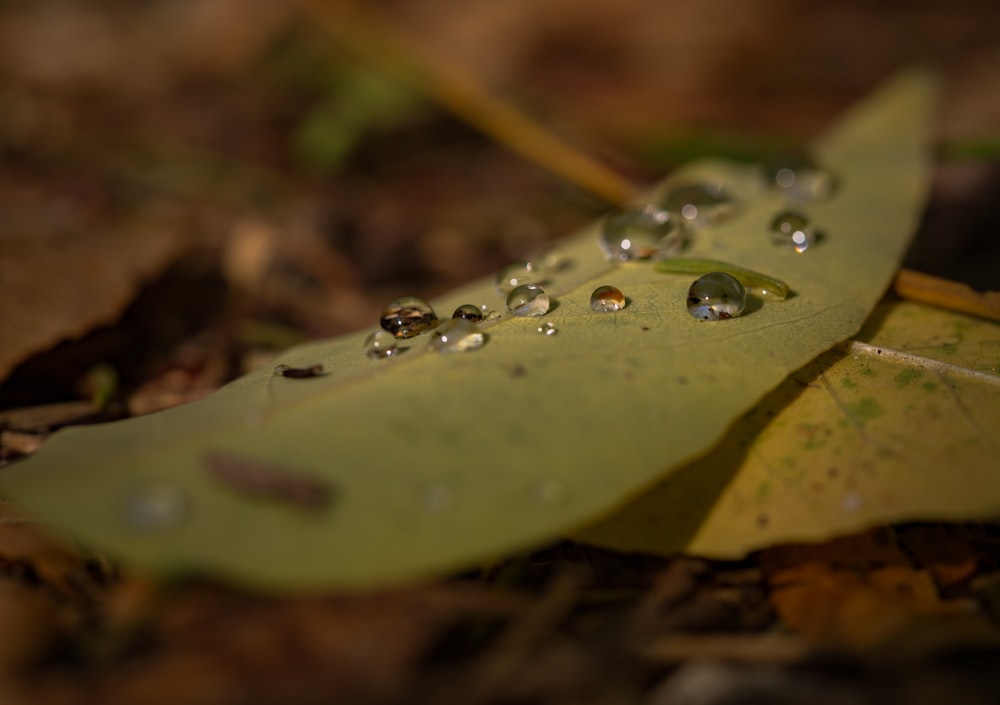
700,204
280,370
550,492
436,498
716,296
640,232
380,345
607,299
516,274
457,335
408,316
792,229
528,300
800,178
547,329
469,312
157,506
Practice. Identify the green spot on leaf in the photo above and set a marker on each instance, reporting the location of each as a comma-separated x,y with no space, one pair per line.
904,377
865,410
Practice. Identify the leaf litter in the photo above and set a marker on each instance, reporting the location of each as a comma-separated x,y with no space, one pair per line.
443,463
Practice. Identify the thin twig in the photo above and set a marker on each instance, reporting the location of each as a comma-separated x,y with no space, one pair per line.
363,30
948,294
374,37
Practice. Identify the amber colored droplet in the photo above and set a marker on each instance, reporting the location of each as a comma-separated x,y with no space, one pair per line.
607,299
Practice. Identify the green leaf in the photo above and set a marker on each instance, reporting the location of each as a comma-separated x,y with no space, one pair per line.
382,471
898,425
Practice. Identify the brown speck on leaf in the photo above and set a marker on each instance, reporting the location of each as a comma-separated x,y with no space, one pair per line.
298,372
268,481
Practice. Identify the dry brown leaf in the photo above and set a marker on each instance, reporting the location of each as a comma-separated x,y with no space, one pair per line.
59,284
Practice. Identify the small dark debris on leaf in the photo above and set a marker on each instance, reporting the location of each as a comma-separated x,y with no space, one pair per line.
267,481
290,372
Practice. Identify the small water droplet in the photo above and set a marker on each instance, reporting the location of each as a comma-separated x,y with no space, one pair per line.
792,229
607,299
280,370
516,274
716,296
851,502
380,345
494,316
157,506
547,329
457,335
800,178
529,300
556,262
700,204
436,498
408,316
550,492
640,232
469,312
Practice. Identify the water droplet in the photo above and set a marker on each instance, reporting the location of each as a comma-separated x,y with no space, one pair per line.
640,232
550,492
607,299
494,316
800,178
556,262
469,312
547,329
792,229
157,506
436,497
408,316
528,300
457,335
516,274
851,502
380,345
716,296
700,204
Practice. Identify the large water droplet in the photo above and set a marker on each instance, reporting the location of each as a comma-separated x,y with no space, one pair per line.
547,329
528,300
800,178
607,299
468,312
157,506
700,204
716,296
380,345
408,316
640,232
457,335
792,229
516,274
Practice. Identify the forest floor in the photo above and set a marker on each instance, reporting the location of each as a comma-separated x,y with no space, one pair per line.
188,188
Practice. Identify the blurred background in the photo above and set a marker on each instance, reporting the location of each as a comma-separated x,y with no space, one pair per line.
186,185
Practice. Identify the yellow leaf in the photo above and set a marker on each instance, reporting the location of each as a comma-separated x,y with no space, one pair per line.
901,424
